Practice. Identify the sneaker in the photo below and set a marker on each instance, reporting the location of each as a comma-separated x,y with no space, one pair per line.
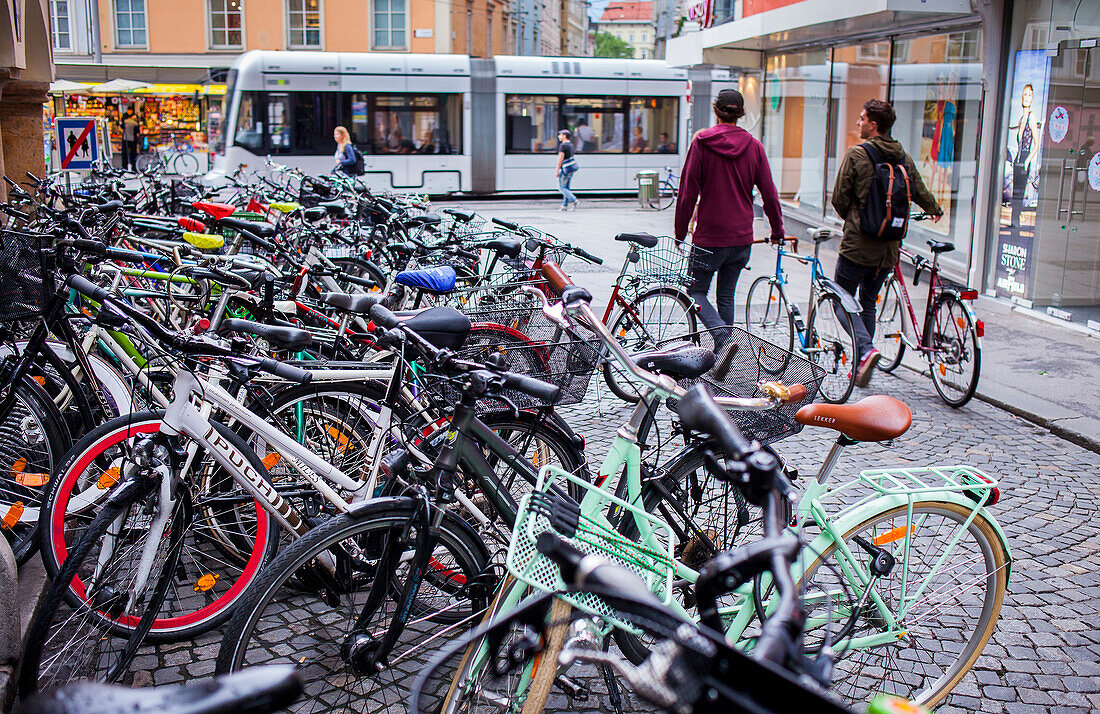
576,202
866,366
564,208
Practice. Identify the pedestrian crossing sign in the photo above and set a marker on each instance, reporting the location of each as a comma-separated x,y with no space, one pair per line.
77,143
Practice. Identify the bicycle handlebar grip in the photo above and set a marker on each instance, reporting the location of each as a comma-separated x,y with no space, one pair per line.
699,412
354,280
795,393
285,371
533,387
258,240
582,253
505,224
383,317
557,278
86,287
127,256
89,246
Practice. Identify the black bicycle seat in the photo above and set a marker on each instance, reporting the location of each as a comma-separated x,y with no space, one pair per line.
428,219
680,360
643,239
444,327
256,228
279,337
460,215
314,214
940,246
256,690
357,303
509,247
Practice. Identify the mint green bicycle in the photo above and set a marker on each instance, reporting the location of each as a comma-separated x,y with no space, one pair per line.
903,573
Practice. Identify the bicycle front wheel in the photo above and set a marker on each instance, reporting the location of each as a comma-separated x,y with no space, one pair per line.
666,196
832,346
945,594
185,164
956,356
656,316
144,161
889,336
321,622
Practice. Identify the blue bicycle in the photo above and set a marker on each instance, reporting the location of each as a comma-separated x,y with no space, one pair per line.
667,188
825,336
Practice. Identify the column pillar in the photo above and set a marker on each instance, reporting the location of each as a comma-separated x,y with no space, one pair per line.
21,130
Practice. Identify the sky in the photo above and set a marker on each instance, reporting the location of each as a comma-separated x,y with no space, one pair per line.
595,10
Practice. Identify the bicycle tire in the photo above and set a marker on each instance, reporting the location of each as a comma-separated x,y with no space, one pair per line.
45,666
144,161
991,551
279,592
767,314
185,164
25,469
889,338
665,197
195,607
832,346
678,320
953,339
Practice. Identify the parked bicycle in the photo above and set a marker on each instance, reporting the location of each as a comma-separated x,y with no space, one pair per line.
949,337
825,336
169,160
667,189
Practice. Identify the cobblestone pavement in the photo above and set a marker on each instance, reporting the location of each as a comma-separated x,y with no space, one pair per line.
1045,653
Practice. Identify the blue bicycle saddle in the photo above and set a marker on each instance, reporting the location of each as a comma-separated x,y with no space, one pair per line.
439,279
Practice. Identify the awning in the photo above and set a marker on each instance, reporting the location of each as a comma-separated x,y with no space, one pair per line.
64,86
118,86
742,42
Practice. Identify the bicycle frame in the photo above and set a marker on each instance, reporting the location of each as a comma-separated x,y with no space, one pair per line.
921,339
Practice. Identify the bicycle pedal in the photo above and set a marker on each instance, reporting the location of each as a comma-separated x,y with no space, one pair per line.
573,690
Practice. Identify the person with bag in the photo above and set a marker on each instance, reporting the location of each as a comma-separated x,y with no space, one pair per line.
722,166
567,166
349,160
874,187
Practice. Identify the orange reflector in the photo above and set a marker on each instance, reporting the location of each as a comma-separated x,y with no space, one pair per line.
205,582
108,479
844,360
30,480
943,370
961,322
773,298
891,535
271,459
341,439
15,512
622,333
41,380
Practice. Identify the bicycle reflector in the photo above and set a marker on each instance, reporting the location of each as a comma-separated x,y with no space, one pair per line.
968,294
978,495
979,328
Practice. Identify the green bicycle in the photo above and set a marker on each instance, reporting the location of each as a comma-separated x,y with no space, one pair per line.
905,583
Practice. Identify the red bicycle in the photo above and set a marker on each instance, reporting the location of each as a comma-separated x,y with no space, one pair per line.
950,337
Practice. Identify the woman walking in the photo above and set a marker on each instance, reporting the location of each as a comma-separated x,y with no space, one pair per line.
567,166
346,159
723,164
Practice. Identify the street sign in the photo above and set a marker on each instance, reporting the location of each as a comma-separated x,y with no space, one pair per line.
77,142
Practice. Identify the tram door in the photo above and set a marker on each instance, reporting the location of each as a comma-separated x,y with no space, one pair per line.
1067,246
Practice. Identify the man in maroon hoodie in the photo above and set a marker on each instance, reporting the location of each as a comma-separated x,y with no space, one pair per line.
723,164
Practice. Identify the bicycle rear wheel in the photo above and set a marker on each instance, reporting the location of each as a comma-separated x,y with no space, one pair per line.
889,337
666,196
956,357
945,627
185,164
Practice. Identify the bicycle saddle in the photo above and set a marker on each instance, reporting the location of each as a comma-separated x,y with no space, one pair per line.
279,337
428,219
335,208
938,246
460,215
508,247
314,214
643,239
256,690
358,303
444,327
680,360
263,230
438,280
820,235
217,210
877,418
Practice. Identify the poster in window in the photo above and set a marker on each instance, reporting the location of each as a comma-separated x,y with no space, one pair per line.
1020,191
939,142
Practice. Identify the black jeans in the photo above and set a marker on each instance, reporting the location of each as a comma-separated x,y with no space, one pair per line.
129,153
868,282
728,264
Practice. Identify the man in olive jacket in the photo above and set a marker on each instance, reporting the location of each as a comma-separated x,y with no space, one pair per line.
865,261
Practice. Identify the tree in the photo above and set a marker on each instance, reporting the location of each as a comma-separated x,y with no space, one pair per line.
608,45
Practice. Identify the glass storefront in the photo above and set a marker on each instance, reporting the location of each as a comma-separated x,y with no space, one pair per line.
1046,251
813,99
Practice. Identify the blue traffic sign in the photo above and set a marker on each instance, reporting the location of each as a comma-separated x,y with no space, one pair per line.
77,142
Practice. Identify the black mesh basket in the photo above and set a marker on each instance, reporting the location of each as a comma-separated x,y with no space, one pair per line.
743,362
24,284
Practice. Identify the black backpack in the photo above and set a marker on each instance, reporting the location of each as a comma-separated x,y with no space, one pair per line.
359,169
885,214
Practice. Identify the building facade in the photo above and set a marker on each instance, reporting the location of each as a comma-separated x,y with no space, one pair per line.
633,23
998,102
26,70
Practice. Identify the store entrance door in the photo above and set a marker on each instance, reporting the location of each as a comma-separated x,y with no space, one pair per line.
1067,250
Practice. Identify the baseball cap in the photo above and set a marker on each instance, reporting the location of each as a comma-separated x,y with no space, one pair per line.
729,99
568,134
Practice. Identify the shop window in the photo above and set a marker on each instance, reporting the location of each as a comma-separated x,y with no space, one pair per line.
304,21
796,95
598,123
653,125
59,18
389,24
225,24
130,23
532,124
936,94
859,73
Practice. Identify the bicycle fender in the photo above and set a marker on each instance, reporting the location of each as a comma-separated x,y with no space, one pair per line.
966,306
846,300
852,516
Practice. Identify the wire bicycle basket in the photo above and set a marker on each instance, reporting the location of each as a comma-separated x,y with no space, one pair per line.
666,263
24,277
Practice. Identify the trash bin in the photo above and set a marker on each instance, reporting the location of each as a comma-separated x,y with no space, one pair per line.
647,187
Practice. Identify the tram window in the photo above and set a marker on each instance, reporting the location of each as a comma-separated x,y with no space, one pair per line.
314,117
406,123
278,123
532,124
653,125
249,131
598,123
